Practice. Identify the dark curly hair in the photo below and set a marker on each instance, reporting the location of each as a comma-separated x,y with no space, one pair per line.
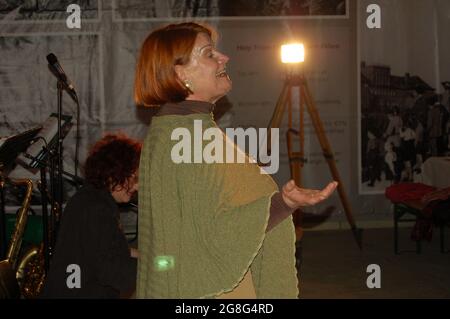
111,161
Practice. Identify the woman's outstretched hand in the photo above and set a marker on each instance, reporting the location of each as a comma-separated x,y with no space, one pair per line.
296,197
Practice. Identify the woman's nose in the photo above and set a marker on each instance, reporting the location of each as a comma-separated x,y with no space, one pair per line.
223,58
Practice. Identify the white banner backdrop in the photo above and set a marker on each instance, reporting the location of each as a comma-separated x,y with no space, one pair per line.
100,61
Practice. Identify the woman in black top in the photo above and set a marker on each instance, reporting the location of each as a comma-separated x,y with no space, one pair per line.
92,258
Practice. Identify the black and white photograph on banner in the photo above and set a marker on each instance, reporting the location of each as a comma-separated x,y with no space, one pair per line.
240,9
404,97
403,123
193,153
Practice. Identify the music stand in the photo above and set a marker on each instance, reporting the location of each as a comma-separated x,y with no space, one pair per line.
10,148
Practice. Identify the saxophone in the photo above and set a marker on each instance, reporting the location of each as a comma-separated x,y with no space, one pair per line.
30,273
20,277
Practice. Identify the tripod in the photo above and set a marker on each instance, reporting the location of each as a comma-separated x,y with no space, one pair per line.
297,159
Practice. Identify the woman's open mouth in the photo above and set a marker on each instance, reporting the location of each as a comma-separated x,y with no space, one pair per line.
222,74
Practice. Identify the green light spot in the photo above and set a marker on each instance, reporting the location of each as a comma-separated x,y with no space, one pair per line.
164,263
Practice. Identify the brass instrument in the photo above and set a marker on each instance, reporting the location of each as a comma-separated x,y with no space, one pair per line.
22,277
30,273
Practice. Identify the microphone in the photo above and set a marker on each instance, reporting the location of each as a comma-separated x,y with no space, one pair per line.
58,71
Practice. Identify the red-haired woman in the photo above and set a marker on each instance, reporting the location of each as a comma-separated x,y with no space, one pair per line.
206,230
92,258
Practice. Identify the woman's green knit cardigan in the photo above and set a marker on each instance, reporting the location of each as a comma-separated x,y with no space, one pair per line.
202,226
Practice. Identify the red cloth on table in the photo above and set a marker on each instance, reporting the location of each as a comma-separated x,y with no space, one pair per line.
399,193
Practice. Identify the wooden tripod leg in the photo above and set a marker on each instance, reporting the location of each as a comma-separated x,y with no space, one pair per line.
298,215
278,113
296,159
275,121
328,154
295,165
301,135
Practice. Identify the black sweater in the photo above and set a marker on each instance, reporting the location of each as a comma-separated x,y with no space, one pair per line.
90,237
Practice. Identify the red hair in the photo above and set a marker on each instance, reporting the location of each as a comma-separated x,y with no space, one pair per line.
156,81
111,161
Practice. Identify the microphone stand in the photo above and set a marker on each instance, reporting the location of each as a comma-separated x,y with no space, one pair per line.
51,224
56,155
45,235
60,144
57,181
49,233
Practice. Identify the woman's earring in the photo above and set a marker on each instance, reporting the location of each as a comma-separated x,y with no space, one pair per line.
189,86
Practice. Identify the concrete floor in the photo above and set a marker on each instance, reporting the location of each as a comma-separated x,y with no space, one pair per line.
332,266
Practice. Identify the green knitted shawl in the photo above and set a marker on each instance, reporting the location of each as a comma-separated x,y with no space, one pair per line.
202,226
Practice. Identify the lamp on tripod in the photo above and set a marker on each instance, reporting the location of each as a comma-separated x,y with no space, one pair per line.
293,55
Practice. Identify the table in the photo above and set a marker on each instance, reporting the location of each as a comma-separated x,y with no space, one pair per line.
436,172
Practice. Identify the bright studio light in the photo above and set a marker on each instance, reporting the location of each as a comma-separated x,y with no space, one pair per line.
292,53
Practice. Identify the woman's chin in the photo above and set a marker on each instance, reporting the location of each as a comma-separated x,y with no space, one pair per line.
228,88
